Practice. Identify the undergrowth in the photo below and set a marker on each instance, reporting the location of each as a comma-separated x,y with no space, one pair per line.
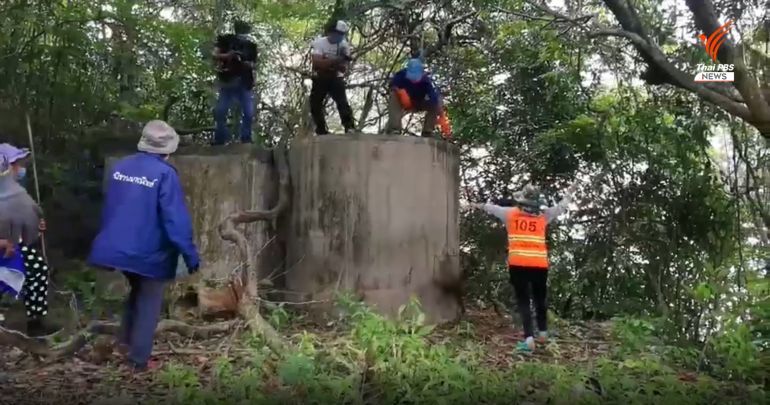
379,361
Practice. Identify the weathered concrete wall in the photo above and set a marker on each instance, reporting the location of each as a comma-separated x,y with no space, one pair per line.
217,182
377,215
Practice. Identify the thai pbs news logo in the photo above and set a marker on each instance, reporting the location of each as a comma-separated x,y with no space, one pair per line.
716,72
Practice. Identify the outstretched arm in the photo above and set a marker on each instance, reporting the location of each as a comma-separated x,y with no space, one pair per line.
551,213
500,212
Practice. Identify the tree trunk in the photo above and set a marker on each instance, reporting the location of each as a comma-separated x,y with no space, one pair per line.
377,215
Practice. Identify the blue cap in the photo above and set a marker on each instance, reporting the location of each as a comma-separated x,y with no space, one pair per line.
414,70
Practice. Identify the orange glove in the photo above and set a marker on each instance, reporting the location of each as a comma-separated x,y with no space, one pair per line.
404,99
445,125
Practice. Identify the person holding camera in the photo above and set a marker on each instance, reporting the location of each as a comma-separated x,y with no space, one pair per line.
235,56
331,56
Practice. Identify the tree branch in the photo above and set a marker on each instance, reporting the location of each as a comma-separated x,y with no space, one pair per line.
674,76
706,20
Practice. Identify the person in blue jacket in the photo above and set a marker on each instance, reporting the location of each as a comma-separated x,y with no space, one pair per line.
145,227
412,90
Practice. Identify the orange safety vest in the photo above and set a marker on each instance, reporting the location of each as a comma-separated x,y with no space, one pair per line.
526,240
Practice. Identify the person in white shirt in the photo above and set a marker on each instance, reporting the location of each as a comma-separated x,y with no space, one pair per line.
331,56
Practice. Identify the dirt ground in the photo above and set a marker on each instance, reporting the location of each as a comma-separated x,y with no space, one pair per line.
95,374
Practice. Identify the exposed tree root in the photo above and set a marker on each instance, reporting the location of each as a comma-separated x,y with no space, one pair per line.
245,283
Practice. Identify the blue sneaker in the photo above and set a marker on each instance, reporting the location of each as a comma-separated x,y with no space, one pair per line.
526,346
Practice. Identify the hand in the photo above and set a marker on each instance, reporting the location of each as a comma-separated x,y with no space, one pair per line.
7,247
473,205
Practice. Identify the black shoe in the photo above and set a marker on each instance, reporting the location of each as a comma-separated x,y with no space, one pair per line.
322,133
247,141
35,328
135,367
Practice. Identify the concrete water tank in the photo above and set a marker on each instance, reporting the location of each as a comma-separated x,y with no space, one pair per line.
376,215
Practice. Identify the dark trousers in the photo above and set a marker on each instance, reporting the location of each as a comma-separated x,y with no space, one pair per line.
227,95
334,87
522,279
140,317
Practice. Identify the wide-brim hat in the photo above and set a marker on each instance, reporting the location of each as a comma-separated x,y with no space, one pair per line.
159,138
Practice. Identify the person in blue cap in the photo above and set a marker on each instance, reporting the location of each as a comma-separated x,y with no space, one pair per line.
145,227
35,268
412,90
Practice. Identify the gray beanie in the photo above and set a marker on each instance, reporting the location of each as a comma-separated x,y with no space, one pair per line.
158,137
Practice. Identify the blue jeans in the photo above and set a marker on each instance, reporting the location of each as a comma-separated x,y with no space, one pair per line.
140,317
228,94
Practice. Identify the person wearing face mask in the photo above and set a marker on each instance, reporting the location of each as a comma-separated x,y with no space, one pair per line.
236,57
526,224
412,90
331,56
36,269
145,228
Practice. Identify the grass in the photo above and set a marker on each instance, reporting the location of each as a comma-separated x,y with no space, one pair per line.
369,359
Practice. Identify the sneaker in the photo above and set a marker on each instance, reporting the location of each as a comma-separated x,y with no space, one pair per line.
135,368
526,346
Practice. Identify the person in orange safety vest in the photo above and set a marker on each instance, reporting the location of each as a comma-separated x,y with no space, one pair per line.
526,225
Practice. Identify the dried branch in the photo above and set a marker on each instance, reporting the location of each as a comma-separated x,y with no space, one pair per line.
50,352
